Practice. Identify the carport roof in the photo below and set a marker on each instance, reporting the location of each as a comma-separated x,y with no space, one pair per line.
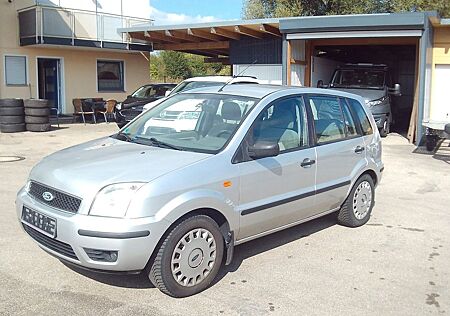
210,39
356,22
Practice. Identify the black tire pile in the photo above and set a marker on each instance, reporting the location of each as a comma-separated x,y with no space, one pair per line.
37,115
12,117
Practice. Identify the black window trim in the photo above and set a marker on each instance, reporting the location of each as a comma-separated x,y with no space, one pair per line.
241,148
122,74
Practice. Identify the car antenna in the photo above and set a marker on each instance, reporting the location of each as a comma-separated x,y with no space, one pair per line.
235,76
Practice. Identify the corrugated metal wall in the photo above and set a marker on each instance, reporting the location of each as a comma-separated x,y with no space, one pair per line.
255,51
265,73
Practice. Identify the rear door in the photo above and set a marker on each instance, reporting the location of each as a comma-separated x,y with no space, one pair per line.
340,150
277,191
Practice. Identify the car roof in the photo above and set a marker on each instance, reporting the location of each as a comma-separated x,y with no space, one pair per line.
259,91
222,78
159,84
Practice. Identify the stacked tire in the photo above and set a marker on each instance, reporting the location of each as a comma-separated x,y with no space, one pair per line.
37,115
12,116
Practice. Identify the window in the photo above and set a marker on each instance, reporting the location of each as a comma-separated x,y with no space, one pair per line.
328,119
16,70
361,115
350,126
283,122
110,76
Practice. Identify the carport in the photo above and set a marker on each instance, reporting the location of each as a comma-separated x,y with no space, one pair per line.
314,47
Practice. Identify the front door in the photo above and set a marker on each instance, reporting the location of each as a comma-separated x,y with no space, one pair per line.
49,83
277,191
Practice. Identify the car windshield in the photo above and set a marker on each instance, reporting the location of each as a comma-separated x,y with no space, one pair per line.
150,91
189,85
191,122
359,78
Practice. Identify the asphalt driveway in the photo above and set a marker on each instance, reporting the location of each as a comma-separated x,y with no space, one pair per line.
397,264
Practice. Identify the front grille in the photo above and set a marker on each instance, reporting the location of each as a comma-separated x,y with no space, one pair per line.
62,201
50,243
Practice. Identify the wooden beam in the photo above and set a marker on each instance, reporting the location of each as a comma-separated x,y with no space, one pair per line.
182,36
267,28
193,46
201,53
248,31
153,36
205,35
225,33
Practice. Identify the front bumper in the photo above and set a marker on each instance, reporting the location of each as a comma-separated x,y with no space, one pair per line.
133,239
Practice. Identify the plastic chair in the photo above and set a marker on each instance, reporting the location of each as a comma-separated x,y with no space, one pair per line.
109,110
78,110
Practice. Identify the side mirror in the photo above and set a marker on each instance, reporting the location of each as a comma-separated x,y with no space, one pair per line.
396,91
129,96
447,128
263,149
167,93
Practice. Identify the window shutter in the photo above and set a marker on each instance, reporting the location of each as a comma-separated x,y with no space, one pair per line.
16,70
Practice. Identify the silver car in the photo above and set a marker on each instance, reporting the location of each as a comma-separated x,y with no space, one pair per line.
175,202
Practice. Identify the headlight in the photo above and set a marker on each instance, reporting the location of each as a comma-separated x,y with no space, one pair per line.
113,200
377,101
119,106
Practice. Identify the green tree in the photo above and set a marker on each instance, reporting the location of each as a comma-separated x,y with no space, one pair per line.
282,8
176,65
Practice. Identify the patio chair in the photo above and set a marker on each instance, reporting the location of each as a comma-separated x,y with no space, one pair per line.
78,110
109,109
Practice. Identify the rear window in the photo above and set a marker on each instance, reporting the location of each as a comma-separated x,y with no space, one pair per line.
361,116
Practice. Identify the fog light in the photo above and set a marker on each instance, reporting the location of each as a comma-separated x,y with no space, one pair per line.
102,255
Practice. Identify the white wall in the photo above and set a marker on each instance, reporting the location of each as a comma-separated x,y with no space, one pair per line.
265,73
322,69
440,110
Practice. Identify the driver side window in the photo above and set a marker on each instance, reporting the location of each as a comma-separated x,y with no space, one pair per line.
284,122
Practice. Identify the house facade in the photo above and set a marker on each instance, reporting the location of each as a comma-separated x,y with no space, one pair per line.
61,50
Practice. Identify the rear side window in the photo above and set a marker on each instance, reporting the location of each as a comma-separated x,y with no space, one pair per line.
350,125
328,119
361,116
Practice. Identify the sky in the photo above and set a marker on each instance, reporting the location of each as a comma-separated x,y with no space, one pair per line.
194,11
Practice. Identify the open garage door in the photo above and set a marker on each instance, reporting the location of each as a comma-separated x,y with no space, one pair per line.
328,51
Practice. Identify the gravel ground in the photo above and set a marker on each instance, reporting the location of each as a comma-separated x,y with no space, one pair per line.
397,264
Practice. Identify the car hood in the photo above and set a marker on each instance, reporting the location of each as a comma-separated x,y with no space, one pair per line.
366,94
137,103
154,103
84,169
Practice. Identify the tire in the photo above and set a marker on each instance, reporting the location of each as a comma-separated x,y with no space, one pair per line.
12,119
160,272
37,112
350,217
37,119
38,127
12,111
11,103
12,128
36,103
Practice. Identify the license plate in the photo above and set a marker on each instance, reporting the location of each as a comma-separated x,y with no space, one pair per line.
41,222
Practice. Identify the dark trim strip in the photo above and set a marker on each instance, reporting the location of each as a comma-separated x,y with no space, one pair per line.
293,198
90,233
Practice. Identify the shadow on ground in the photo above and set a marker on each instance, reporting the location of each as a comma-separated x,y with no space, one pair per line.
241,252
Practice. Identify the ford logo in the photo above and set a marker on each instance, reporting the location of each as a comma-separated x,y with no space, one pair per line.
47,196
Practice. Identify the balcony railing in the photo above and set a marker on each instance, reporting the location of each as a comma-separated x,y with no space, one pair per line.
56,25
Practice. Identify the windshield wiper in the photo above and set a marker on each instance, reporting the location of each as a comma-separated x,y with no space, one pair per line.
158,143
126,137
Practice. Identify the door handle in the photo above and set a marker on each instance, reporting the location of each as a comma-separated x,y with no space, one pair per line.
359,149
306,163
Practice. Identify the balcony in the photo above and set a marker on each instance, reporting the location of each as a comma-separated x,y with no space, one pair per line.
45,25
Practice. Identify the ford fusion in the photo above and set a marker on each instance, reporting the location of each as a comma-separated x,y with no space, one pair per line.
202,172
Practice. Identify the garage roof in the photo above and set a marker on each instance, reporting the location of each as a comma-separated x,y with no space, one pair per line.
208,39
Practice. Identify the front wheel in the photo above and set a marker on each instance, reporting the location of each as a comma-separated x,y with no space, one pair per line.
356,209
189,257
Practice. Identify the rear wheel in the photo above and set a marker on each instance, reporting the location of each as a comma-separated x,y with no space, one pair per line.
189,257
358,206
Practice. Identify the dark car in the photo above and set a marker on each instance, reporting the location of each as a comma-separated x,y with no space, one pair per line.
133,105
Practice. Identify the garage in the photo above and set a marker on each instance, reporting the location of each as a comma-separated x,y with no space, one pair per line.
315,47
